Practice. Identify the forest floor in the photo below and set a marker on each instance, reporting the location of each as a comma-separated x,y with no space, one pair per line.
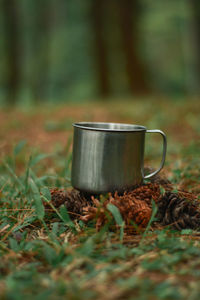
55,258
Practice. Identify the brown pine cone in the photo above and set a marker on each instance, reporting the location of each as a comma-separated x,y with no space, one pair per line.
73,200
98,211
146,193
57,197
133,211
180,212
141,213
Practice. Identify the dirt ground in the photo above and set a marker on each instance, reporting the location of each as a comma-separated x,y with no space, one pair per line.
44,127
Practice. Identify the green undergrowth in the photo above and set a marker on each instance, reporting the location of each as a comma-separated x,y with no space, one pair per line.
49,256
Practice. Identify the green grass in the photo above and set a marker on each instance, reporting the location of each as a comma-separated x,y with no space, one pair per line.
50,257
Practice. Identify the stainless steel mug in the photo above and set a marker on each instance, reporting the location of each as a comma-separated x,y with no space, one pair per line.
109,157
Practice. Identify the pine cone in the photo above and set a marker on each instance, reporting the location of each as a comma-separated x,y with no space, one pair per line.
97,211
73,200
178,211
132,210
57,197
141,213
146,193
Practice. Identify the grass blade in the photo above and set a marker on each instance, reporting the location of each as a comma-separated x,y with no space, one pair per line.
46,193
13,174
19,147
66,217
38,158
37,200
154,212
118,218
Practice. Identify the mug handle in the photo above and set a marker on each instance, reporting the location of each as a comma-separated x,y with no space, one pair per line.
164,152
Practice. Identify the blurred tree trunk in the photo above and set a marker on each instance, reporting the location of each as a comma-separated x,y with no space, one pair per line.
41,46
98,9
196,20
129,12
12,46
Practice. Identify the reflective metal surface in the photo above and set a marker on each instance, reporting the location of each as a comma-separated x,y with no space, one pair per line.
109,156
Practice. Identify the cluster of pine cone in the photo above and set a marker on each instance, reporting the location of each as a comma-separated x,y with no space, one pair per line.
179,209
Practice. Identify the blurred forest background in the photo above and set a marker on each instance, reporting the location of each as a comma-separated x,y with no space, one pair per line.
54,50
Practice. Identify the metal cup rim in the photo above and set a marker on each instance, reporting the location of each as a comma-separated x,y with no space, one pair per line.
110,127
